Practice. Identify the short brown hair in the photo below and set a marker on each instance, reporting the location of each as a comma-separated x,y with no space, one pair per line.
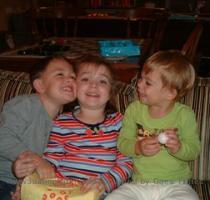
96,61
176,70
39,67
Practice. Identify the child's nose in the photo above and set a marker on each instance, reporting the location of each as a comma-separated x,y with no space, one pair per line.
93,83
70,79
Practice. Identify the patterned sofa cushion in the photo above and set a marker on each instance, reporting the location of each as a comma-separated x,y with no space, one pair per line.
13,84
199,100
124,94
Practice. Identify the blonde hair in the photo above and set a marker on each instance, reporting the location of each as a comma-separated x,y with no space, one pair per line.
175,69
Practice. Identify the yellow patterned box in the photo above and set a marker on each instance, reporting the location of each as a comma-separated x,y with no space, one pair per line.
59,189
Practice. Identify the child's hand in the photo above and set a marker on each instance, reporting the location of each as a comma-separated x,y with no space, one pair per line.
93,183
17,194
24,165
148,146
173,144
44,169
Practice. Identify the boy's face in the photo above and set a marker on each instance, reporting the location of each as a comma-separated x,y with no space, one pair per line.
151,90
57,82
93,86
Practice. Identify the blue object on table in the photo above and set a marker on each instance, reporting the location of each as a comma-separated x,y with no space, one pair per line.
119,48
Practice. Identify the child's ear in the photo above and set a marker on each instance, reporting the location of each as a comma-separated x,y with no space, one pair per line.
172,94
38,85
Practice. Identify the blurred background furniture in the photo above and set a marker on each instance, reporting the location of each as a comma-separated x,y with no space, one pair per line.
46,19
4,45
150,22
23,27
72,47
157,24
190,47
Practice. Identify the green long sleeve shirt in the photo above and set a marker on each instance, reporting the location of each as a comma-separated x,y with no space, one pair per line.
162,166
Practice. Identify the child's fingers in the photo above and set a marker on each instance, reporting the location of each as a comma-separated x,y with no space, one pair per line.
150,146
23,163
173,143
93,184
25,170
86,185
45,169
16,194
45,174
27,160
173,132
25,154
173,139
149,142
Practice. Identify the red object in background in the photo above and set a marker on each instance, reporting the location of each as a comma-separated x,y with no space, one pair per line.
95,3
61,41
126,3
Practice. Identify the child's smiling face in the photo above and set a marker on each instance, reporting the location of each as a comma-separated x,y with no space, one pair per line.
93,86
151,90
57,82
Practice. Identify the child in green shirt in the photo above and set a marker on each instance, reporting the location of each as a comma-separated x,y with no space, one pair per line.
159,132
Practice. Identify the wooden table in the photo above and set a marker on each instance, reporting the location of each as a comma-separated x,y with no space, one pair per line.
126,68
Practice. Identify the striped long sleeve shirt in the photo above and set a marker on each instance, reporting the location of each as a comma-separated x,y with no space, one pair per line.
80,151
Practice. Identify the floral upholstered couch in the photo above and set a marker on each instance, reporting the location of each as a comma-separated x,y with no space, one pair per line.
16,83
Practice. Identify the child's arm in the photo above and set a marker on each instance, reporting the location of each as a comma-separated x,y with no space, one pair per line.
54,151
16,195
44,168
128,142
185,143
27,162
12,125
93,184
173,143
119,173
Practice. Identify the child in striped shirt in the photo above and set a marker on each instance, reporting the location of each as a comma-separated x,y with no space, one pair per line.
83,143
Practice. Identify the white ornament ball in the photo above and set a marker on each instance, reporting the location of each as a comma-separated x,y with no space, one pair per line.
162,138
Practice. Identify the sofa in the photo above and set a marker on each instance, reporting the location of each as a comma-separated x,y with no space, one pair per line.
17,83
